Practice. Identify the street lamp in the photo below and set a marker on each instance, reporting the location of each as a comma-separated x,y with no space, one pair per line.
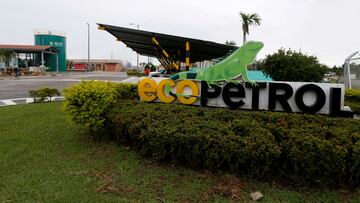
88,45
137,55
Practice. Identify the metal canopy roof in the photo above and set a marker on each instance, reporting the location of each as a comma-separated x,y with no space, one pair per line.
141,42
28,48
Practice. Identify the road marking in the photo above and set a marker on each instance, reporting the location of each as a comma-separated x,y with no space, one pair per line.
29,100
133,80
11,102
8,102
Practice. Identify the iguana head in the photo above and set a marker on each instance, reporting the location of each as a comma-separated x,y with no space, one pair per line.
251,49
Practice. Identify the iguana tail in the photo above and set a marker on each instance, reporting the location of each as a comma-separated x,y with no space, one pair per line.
180,76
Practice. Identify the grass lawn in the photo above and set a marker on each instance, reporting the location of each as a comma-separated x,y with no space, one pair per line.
44,158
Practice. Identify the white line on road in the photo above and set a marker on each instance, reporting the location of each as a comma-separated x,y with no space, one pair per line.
29,100
8,102
11,102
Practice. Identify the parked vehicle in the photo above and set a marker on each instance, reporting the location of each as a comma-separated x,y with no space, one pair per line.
160,73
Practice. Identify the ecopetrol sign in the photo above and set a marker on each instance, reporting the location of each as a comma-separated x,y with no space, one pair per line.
226,84
320,98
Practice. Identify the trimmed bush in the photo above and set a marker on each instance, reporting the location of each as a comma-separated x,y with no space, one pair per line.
352,95
304,148
88,103
135,73
352,99
40,95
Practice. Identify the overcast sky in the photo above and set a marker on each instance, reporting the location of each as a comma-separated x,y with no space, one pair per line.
328,29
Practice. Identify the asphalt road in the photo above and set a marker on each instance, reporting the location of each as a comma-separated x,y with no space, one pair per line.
13,89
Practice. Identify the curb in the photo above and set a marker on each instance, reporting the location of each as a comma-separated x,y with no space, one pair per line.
17,101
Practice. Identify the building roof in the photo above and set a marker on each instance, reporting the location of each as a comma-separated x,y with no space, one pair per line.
49,32
95,61
28,48
141,42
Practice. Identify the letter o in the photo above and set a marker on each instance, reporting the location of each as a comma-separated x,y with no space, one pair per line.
180,91
319,102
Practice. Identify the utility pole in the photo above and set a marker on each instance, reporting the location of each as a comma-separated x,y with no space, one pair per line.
88,46
137,55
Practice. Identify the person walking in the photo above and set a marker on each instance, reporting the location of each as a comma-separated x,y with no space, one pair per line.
17,72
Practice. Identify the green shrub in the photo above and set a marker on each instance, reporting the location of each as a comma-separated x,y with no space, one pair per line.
87,103
41,94
291,65
304,148
135,73
352,99
352,95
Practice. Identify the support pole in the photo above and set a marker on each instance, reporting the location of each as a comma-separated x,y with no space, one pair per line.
347,79
164,54
179,61
348,74
57,62
42,59
88,61
187,61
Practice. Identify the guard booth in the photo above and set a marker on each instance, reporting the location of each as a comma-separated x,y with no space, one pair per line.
25,57
171,51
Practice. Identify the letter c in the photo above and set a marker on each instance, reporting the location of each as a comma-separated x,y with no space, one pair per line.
160,90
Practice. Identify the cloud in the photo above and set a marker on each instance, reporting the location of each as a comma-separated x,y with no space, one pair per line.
326,29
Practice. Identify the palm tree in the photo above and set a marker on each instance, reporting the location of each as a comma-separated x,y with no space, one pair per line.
248,19
6,56
230,42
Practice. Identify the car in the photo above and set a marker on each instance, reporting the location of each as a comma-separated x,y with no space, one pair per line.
160,73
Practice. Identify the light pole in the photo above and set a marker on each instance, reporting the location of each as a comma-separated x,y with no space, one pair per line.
137,55
88,67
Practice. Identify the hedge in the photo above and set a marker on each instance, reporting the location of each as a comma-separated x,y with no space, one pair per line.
352,95
88,103
352,99
305,148
136,73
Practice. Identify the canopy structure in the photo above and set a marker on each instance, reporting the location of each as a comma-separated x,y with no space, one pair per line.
170,50
40,52
28,49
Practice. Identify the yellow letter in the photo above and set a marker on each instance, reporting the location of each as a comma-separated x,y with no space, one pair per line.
180,91
147,89
160,91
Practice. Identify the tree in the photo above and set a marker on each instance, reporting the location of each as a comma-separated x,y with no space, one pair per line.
293,66
338,71
150,66
247,20
6,56
230,42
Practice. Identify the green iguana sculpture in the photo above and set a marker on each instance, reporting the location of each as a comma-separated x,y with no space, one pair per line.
229,69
